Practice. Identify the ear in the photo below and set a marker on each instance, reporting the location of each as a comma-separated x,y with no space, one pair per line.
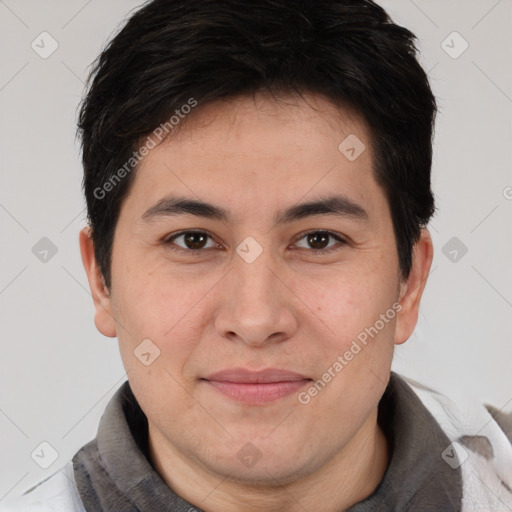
103,318
411,289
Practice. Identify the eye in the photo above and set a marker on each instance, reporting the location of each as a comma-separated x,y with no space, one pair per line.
191,241
319,241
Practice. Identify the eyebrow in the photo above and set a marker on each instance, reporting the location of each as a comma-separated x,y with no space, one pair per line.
332,205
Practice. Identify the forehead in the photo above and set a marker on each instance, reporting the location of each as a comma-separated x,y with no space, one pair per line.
287,125
258,152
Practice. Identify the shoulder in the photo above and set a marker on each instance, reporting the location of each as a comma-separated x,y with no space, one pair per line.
56,493
481,446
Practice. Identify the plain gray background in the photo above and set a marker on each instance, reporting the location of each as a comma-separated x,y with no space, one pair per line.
58,373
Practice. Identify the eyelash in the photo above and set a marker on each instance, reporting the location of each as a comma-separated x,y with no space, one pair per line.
168,241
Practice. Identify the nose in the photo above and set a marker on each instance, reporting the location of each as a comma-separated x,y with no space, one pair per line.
256,305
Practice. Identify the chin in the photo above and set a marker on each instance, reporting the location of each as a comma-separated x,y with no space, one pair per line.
258,465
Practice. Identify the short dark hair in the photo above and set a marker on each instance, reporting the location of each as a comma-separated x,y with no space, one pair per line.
170,52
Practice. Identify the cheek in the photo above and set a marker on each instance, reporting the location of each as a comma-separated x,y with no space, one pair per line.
357,349
346,304
167,310
168,313
155,302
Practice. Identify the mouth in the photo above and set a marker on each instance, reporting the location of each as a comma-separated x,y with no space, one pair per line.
256,387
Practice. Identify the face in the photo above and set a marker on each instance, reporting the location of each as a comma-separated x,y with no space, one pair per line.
251,244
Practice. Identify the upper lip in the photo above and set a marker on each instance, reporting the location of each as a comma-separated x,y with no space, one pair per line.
267,375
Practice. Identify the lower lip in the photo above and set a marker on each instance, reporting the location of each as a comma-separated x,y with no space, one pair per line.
257,393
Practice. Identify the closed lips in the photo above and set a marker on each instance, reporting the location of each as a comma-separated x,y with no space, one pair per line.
244,376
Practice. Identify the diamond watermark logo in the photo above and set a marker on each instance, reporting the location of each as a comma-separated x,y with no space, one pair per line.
44,455
454,455
352,147
249,249
454,45
44,250
44,45
249,455
454,249
146,352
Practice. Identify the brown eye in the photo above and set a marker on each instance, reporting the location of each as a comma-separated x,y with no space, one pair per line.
192,240
320,241
195,240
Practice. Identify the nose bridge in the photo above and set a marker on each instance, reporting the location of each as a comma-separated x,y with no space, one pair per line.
256,286
255,307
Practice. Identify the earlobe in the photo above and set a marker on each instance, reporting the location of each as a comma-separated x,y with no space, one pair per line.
103,318
411,290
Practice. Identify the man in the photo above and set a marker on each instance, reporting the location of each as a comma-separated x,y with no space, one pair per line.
257,177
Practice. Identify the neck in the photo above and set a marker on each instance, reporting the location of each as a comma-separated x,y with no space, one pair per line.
347,478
